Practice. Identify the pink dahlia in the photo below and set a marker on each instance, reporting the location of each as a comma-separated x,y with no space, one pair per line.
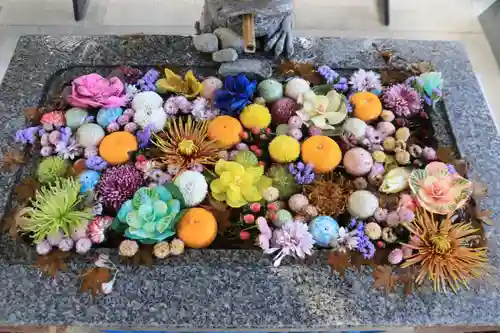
118,184
403,100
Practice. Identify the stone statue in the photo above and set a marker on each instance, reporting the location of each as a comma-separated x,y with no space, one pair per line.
273,20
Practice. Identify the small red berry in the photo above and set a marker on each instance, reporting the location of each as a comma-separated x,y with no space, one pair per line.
268,130
261,163
244,135
255,207
140,158
272,206
258,152
254,148
273,216
244,235
255,130
263,136
380,244
249,218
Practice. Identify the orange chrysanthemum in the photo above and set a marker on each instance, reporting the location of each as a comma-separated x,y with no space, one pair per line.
184,142
441,248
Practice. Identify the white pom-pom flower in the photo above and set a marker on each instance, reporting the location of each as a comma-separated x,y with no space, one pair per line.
193,187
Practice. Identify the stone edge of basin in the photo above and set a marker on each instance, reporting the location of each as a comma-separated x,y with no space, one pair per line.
219,289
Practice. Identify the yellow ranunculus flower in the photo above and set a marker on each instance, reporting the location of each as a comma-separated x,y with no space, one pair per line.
238,186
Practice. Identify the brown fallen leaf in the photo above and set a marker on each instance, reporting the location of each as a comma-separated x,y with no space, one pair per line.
393,76
407,279
485,216
305,70
221,213
421,67
479,190
12,159
339,261
461,167
13,221
446,154
26,189
52,263
33,115
93,278
144,256
384,278
357,260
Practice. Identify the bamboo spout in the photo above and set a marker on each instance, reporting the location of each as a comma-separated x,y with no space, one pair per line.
249,33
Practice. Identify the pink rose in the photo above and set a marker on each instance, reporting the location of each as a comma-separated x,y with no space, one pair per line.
94,91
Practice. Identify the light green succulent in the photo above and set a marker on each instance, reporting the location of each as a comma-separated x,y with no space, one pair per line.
150,216
51,168
55,207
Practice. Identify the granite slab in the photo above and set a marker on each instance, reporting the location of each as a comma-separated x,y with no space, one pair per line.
221,289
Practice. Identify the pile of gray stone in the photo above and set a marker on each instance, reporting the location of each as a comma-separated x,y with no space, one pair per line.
224,44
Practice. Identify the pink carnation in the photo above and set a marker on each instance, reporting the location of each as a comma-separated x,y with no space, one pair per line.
403,100
94,91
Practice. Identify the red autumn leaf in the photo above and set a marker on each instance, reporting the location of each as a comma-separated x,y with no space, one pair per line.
52,263
93,278
383,277
339,261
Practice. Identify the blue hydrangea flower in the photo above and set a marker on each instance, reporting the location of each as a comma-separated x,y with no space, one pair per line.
237,93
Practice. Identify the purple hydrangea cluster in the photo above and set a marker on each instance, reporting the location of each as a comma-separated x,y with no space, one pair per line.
365,246
303,173
148,81
96,163
176,104
28,135
332,77
59,141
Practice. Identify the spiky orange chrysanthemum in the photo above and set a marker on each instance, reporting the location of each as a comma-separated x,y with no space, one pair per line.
443,253
184,142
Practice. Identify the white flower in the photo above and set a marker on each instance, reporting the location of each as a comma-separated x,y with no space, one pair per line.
107,287
130,91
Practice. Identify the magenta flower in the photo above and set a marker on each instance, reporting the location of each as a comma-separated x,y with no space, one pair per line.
292,239
94,91
403,100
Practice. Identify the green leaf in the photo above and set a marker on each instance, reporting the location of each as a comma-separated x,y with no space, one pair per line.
118,226
176,193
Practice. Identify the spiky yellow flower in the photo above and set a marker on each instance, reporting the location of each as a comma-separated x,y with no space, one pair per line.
441,249
184,142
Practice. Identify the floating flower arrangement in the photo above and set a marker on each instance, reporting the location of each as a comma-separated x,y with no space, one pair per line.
153,163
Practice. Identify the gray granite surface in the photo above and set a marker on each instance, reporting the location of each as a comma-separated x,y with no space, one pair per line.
215,289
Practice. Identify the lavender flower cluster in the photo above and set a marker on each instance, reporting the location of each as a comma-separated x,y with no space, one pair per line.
303,173
148,81
332,77
365,246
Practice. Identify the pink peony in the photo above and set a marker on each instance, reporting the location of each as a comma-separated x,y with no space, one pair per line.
94,91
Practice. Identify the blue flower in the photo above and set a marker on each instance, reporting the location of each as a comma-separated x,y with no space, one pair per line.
143,136
237,93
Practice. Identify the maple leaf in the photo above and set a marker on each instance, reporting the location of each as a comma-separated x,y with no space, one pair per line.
392,76
407,279
357,260
26,189
144,256
479,190
52,263
305,70
421,67
221,212
33,115
12,159
384,278
339,261
485,216
446,154
13,221
93,278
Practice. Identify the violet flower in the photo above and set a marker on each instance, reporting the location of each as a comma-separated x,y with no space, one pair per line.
144,136
403,100
27,135
65,133
365,246
328,74
68,150
96,163
303,173
346,240
148,81
292,239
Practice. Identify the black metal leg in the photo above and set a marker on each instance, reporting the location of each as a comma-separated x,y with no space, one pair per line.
387,14
79,9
